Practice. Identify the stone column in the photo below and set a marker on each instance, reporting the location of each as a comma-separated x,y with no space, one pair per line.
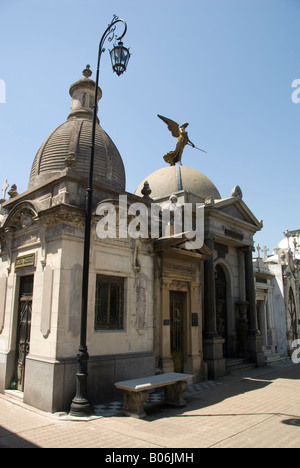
165,347
262,310
195,348
242,328
210,309
255,338
266,320
212,343
250,291
272,334
242,281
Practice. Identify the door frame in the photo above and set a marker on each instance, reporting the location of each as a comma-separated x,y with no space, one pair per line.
183,331
18,302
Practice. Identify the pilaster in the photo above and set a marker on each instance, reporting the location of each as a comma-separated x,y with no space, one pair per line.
194,359
254,339
212,343
165,347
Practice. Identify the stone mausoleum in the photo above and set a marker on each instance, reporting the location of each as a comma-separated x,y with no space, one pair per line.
277,283
155,306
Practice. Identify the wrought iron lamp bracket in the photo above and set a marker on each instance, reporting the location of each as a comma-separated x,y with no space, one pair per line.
110,35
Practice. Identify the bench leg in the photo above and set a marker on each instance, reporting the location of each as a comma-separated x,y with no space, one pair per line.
174,394
134,403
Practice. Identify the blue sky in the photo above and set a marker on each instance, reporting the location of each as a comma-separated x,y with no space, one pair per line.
224,66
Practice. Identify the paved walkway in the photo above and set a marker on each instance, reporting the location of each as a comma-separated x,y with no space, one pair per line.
259,408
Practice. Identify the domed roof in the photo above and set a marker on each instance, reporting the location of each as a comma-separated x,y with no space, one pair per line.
172,179
69,144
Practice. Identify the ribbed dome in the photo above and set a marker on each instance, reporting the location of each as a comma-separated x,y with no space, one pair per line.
173,179
69,144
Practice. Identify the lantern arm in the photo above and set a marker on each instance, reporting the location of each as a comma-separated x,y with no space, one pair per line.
109,35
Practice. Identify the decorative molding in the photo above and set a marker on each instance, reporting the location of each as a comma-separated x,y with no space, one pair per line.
64,217
3,284
47,302
221,249
179,285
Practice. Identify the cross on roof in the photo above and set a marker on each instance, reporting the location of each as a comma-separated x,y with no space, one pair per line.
258,248
4,189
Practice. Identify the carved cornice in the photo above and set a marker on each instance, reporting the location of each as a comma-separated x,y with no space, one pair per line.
63,214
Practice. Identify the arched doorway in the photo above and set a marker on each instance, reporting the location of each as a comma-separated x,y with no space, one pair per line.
221,306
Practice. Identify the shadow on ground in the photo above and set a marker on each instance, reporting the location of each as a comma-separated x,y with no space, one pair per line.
227,389
10,440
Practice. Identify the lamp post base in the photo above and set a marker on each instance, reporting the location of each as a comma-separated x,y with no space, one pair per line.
80,406
81,409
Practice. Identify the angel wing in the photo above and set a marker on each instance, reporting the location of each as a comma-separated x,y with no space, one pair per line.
172,126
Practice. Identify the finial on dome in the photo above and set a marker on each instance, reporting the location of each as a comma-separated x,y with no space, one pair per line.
83,96
87,73
237,192
146,191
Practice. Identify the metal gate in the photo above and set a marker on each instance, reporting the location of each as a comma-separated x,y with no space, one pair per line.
177,317
24,327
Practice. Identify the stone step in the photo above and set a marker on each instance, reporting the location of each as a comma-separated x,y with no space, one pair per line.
271,358
14,395
267,352
234,361
234,366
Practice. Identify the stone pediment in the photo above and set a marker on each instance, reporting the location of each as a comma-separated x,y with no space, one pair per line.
237,209
232,211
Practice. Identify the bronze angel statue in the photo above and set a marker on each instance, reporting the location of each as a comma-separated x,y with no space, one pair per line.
183,139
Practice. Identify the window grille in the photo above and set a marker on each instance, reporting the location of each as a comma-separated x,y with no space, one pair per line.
109,307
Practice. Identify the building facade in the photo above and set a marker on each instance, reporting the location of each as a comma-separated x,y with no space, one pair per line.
154,304
228,320
283,267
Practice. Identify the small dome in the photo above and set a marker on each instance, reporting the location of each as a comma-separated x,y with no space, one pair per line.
69,144
172,179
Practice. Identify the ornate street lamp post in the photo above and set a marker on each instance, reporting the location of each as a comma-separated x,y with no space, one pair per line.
119,57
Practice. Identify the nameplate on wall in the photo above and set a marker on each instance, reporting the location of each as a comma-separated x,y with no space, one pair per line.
25,261
195,320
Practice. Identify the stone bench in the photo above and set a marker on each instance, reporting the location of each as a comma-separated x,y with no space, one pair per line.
136,391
